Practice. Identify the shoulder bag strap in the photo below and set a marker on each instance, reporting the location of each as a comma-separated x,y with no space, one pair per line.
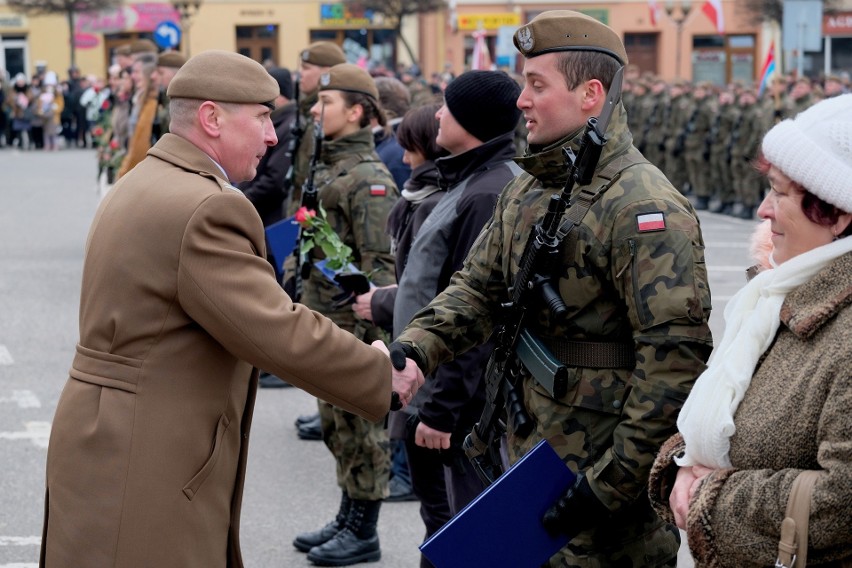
793,546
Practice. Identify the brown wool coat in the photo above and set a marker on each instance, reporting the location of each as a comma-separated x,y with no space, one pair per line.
795,416
179,307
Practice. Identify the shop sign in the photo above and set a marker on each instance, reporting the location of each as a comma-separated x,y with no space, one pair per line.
336,15
143,17
839,24
86,41
12,21
489,21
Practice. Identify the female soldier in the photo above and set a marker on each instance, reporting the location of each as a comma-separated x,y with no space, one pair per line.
357,192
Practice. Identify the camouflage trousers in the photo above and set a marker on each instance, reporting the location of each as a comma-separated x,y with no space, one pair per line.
361,450
748,183
698,171
720,171
658,548
675,167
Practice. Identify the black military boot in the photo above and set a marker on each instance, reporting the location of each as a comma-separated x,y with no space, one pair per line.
357,542
306,541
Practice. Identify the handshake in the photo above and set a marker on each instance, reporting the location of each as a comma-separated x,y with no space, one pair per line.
407,377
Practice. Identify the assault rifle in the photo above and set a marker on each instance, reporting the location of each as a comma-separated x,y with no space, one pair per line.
296,132
309,200
533,283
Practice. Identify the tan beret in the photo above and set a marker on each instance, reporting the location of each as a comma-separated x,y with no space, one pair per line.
566,30
123,49
142,46
223,76
171,59
324,54
350,78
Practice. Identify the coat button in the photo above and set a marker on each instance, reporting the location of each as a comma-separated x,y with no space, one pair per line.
616,404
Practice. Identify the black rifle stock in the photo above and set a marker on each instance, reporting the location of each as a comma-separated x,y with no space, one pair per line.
309,200
533,283
296,132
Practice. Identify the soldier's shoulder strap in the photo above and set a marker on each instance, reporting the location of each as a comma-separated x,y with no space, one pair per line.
588,195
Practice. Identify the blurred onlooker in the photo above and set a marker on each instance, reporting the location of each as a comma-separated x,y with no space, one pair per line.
123,58
168,64
21,113
37,118
396,100
142,113
4,111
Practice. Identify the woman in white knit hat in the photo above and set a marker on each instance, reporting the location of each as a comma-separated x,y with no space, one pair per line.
775,399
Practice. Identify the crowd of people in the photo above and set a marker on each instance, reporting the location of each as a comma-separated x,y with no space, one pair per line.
432,191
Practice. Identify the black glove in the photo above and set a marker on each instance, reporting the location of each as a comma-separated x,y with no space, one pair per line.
399,352
576,510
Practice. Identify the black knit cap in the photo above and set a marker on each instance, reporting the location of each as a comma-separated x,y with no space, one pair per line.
484,103
285,81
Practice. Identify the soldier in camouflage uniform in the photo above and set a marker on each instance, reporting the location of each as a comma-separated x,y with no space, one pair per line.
357,192
674,125
697,144
746,136
654,130
801,95
314,60
720,153
633,279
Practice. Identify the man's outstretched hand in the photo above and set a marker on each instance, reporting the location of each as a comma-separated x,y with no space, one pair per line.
407,377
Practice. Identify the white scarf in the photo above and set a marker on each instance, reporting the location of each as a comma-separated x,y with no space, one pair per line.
752,318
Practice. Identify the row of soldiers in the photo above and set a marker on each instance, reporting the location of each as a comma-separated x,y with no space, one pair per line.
706,138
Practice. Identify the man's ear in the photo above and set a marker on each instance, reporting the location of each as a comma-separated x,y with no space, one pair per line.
594,94
210,118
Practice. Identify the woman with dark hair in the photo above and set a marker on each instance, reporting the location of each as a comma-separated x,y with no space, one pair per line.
357,192
420,194
775,398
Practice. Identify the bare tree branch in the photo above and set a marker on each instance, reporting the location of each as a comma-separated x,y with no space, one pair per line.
395,10
759,11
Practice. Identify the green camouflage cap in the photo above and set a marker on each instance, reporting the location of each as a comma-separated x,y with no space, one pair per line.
566,30
349,77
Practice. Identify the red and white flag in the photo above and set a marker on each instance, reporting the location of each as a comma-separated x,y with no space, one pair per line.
713,10
654,10
481,57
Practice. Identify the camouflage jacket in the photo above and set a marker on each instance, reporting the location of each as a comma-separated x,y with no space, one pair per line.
621,284
748,133
357,192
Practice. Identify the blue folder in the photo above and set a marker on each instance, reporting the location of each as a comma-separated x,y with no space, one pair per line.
281,237
502,527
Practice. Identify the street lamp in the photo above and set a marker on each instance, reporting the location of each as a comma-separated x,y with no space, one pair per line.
187,9
678,12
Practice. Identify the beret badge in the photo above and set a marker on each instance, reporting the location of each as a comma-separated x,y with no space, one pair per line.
325,79
525,38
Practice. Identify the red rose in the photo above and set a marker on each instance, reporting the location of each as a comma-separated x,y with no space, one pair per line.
304,215
98,131
113,144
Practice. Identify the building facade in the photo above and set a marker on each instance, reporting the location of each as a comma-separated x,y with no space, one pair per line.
679,39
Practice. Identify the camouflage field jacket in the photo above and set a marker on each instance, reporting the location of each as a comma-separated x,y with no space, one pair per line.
636,275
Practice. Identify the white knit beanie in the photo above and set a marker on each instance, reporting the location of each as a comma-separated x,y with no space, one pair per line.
815,150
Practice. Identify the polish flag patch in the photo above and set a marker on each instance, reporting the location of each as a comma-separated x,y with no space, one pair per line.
379,190
647,222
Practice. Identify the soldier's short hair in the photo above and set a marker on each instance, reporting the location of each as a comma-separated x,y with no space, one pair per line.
580,66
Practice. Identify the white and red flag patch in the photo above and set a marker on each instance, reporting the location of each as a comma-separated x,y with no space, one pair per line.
646,222
380,190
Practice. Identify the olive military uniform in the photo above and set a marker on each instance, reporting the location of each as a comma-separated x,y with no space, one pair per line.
357,193
622,283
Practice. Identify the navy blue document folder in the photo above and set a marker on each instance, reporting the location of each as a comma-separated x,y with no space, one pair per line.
281,237
502,527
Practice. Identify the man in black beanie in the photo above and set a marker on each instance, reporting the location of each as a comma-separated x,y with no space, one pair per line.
476,125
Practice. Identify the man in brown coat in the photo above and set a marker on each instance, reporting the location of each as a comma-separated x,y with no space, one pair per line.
179,308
